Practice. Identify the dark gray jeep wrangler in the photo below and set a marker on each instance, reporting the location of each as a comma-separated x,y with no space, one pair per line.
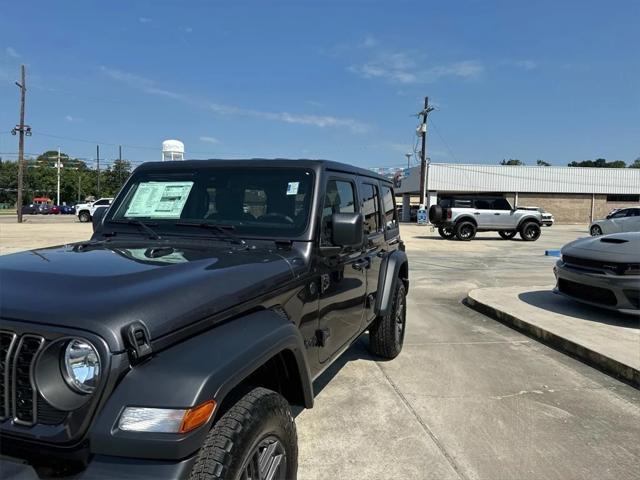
210,296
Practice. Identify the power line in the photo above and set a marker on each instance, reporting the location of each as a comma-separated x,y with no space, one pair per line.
444,141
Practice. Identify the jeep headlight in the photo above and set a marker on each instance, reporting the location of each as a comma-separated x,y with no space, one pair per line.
81,365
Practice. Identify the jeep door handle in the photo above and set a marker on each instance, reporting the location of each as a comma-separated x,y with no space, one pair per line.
496,214
361,263
476,213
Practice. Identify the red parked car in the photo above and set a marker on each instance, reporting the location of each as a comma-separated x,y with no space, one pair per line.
54,210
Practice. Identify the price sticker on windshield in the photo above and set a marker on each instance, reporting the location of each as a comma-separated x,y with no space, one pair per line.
159,199
292,188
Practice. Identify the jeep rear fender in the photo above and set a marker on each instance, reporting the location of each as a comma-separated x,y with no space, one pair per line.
205,367
394,269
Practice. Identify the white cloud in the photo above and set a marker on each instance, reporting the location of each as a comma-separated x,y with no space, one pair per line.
68,118
144,20
212,140
12,52
149,86
188,29
72,119
402,68
526,64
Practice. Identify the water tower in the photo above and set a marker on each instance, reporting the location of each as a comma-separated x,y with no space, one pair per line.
172,150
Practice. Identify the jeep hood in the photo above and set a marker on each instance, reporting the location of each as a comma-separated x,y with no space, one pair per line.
103,287
617,247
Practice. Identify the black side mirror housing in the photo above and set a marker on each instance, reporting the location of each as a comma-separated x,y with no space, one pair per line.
347,229
97,217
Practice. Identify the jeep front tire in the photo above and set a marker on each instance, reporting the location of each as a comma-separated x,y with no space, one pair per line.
386,333
465,230
530,231
255,438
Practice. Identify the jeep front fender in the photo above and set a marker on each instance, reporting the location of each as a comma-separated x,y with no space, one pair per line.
394,268
207,366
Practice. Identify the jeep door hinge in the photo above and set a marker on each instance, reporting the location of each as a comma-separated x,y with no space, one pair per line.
138,340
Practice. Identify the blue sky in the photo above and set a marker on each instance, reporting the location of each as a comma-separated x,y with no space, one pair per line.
555,80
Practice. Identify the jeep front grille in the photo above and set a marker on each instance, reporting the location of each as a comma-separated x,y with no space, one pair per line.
19,399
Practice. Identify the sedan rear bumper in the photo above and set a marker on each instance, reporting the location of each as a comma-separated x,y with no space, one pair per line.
614,292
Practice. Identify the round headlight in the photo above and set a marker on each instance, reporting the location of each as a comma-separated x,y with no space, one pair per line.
82,366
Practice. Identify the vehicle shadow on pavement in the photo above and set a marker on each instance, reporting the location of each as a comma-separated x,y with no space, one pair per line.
424,237
357,351
547,300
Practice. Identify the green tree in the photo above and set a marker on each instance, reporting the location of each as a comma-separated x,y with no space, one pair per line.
599,163
511,161
114,177
542,163
636,163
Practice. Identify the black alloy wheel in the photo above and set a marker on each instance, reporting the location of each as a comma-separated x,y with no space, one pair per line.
530,232
596,231
507,234
446,232
465,231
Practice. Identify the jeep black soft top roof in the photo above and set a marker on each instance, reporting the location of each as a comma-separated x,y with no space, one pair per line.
316,165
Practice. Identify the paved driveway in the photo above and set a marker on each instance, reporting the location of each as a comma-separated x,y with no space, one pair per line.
469,398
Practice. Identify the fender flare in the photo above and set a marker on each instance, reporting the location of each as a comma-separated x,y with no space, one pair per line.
394,268
528,219
207,366
465,218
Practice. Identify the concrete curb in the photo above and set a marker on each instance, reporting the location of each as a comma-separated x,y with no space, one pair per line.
589,356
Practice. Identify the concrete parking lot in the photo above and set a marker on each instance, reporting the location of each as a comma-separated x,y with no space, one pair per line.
468,398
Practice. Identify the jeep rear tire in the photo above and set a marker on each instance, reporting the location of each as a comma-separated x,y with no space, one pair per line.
84,216
465,230
386,333
446,232
595,231
507,234
530,231
255,438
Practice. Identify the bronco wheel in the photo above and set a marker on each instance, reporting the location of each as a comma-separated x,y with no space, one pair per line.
255,439
84,217
530,232
465,231
386,334
595,231
507,234
446,232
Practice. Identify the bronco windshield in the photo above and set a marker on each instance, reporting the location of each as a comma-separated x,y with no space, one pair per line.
260,202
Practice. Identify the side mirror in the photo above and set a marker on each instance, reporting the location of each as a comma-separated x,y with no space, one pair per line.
97,217
347,229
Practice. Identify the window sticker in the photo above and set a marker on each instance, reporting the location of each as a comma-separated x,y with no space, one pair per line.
159,199
292,188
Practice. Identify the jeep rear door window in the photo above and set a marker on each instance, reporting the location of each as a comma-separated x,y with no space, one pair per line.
389,206
370,205
258,202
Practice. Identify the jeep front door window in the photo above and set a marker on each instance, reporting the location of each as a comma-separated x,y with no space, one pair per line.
342,278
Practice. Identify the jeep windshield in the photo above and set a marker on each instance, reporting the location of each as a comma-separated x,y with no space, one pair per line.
254,202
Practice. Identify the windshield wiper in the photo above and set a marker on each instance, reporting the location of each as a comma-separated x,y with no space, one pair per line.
222,230
139,223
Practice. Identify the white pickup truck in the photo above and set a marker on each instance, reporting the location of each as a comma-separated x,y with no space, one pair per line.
86,210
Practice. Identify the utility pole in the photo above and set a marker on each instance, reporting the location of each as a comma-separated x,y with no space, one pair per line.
22,130
424,168
408,155
58,165
120,164
98,160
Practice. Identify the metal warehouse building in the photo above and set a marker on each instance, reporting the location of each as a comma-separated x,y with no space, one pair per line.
571,194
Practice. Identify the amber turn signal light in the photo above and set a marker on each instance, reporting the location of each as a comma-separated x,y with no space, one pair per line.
197,416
